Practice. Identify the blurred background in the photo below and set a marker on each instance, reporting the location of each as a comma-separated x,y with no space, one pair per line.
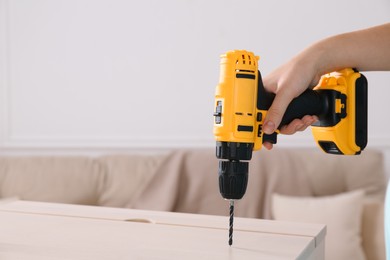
99,75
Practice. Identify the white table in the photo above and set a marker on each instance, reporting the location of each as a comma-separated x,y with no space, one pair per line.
36,230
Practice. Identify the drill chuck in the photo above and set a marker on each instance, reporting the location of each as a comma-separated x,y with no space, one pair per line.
232,171
233,179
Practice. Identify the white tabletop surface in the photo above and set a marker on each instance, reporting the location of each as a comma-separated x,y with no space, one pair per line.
36,230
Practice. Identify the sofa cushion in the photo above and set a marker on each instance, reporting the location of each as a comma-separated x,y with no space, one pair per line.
126,176
332,174
341,213
373,230
75,180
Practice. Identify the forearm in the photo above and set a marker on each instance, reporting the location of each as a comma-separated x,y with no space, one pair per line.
366,50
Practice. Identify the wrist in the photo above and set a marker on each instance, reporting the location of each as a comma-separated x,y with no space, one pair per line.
311,62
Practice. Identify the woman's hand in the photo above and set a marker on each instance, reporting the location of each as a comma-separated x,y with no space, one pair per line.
288,82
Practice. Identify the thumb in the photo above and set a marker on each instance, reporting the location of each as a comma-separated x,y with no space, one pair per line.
275,112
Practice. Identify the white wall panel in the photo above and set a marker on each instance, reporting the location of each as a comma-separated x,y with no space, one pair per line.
111,73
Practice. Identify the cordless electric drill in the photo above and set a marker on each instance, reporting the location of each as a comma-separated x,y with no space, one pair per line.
241,104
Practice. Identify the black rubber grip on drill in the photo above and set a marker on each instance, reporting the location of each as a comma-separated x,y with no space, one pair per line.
309,102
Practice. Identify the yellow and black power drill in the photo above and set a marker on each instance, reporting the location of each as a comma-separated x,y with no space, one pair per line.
241,104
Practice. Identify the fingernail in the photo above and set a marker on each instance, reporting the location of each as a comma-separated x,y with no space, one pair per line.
269,127
313,122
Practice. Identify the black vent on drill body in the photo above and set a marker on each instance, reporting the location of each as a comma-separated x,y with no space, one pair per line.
245,76
329,147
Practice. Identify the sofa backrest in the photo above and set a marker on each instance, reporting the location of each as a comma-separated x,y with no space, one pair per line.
186,179
75,180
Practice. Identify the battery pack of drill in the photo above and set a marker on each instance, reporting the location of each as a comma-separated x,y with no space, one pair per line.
241,104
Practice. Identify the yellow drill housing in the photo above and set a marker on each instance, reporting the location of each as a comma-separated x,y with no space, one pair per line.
236,98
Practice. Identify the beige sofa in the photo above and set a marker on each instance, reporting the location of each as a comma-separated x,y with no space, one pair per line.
185,180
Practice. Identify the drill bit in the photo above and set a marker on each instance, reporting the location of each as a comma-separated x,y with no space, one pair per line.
231,222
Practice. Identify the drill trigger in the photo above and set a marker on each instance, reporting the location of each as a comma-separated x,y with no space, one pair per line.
270,138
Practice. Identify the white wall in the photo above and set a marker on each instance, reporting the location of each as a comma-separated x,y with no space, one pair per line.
98,74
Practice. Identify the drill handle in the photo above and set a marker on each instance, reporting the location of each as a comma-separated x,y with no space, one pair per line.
310,102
